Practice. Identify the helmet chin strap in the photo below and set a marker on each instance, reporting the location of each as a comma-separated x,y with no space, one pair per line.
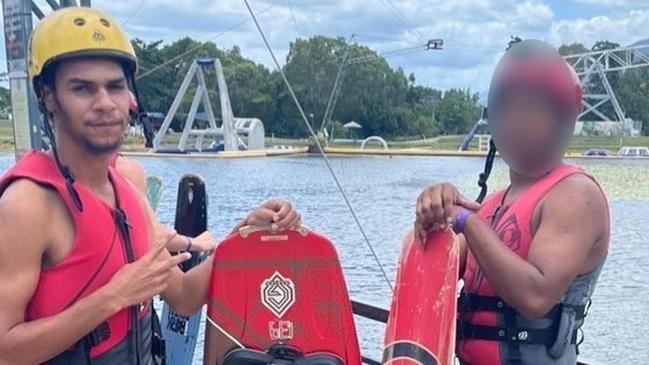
65,171
141,112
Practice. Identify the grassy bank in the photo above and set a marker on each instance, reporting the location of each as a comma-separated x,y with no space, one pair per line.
6,136
448,143
578,144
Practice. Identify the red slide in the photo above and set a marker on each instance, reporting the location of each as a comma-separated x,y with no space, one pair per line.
282,295
421,327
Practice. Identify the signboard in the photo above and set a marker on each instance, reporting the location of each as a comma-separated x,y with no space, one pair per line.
15,35
25,115
20,111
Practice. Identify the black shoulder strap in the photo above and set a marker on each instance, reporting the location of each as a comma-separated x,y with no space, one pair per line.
484,176
158,347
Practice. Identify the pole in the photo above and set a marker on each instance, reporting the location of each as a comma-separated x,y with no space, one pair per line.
24,110
37,11
53,4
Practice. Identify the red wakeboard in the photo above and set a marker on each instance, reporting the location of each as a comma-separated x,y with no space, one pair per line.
286,288
421,326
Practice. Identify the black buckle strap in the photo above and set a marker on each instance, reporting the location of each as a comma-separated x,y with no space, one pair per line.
97,336
529,336
511,333
517,335
480,303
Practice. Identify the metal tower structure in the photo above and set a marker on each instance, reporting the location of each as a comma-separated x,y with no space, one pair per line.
26,118
431,44
227,131
335,90
592,68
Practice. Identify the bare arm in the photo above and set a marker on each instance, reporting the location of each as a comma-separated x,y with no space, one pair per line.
572,222
184,292
24,206
133,172
136,175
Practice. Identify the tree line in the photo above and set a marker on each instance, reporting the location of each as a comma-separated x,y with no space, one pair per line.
383,100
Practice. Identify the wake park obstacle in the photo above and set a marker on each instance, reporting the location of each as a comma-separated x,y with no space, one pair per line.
212,138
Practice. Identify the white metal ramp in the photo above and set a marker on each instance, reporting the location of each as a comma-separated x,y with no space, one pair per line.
227,129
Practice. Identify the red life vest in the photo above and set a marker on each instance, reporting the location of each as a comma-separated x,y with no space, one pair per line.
514,228
98,251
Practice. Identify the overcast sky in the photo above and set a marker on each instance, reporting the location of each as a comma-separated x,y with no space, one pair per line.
475,32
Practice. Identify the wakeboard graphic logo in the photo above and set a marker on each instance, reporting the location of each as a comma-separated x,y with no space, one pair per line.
278,294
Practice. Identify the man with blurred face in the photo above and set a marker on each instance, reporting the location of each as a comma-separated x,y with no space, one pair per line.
531,253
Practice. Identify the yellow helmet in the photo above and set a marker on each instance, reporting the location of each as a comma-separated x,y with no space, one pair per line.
77,32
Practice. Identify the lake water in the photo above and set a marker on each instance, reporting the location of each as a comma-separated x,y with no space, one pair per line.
383,192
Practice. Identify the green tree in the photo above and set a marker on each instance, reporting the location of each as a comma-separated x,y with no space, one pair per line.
457,111
5,99
632,94
573,49
385,101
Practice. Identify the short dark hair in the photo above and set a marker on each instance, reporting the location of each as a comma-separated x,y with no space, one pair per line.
48,76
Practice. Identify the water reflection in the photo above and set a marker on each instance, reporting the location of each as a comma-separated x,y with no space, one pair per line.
383,193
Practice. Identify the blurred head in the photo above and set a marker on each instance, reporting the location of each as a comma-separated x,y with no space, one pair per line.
80,65
534,101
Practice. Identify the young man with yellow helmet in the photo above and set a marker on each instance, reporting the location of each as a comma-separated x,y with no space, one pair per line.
79,260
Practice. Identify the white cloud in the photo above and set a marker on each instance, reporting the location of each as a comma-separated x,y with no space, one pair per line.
612,2
533,15
475,31
625,29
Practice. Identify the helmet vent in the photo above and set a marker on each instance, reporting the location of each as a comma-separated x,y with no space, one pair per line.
79,22
104,22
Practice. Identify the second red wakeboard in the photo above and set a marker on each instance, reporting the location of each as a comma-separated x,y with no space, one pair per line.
287,289
421,326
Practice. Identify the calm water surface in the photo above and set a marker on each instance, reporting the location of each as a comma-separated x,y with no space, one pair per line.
383,192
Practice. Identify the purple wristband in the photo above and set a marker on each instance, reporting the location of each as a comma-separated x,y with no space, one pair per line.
189,244
460,220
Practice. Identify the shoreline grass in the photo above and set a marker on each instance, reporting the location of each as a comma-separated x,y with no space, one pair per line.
578,144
